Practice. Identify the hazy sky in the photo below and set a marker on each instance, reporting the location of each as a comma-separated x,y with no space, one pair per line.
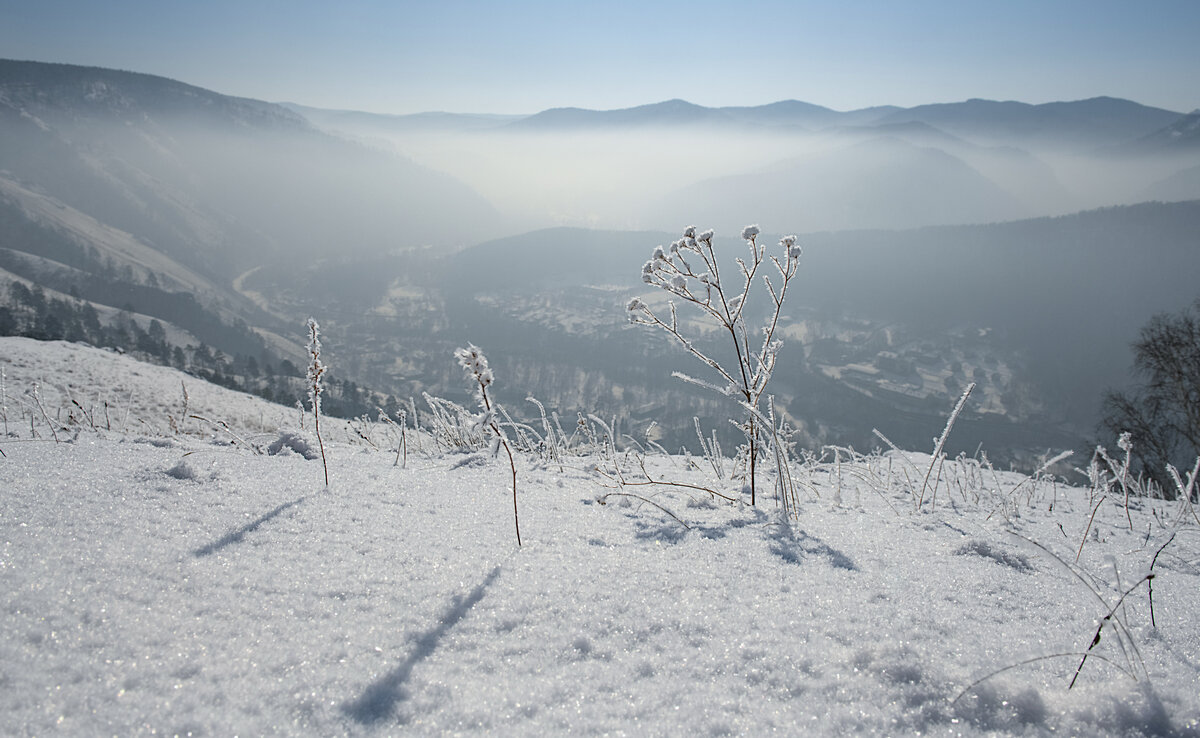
527,55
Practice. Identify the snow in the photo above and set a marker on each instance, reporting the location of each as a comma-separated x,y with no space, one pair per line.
175,583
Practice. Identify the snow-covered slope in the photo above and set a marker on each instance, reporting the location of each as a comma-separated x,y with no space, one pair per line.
108,242
108,391
153,582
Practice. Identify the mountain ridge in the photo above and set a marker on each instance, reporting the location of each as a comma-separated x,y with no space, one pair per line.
791,112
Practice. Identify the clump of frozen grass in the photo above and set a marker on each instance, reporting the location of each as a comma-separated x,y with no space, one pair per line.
400,429
552,442
36,394
690,271
1120,471
177,426
316,371
451,425
711,449
1124,655
1186,491
223,426
453,428
475,364
1105,474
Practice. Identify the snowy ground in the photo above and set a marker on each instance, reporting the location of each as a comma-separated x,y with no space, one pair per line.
163,583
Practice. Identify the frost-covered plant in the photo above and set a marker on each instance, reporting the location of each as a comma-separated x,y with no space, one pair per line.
401,433
475,364
37,398
1186,491
316,370
552,442
452,425
690,271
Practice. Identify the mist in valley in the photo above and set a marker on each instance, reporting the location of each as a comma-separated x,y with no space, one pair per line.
944,245
663,165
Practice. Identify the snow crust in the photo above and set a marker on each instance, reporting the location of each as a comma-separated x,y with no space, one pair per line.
161,582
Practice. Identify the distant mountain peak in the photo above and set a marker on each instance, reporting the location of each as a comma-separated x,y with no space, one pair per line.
667,112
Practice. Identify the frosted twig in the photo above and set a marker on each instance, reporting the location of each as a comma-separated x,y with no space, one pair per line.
603,500
225,427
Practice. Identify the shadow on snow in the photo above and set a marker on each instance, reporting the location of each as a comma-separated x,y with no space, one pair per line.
236,536
793,545
378,701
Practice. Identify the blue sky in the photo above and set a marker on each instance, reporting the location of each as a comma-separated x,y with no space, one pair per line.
528,55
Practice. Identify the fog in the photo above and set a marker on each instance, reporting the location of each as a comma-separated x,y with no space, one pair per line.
591,179
662,175
220,183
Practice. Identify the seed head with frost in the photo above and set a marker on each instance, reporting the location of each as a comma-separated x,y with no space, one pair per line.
316,369
475,364
1125,441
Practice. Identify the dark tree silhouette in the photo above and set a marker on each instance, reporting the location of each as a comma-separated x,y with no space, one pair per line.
1163,412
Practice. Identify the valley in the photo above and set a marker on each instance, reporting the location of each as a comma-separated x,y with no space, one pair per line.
943,245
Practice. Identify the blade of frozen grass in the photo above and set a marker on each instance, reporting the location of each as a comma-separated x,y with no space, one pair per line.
941,443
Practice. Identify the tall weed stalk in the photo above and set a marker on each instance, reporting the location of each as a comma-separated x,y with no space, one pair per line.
475,364
316,370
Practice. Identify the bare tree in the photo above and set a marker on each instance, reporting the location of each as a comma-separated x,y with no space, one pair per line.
1162,413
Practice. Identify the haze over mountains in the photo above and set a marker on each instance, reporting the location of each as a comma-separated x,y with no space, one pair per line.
231,220
881,167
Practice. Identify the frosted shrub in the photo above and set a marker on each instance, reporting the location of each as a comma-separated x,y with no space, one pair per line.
689,270
475,364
